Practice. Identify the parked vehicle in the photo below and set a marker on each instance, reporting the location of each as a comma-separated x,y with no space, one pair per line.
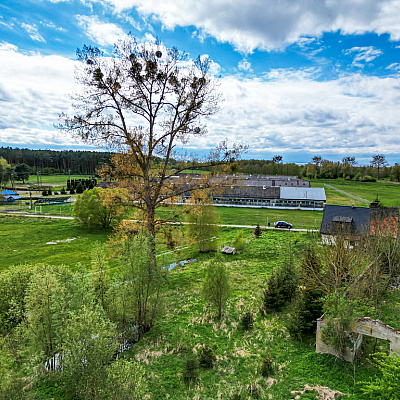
283,224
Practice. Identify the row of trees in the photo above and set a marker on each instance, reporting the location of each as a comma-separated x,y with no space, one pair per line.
55,162
320,168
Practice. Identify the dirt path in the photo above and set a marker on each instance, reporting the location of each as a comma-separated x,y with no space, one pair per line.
361,200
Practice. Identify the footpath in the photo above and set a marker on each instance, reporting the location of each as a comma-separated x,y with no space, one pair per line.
23,214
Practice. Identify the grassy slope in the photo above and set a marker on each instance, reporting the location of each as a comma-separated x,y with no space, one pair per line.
190,323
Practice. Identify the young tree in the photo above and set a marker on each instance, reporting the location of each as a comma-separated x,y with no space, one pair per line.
378,161
144,101
89,346
136,297
216,286
203,222
97,207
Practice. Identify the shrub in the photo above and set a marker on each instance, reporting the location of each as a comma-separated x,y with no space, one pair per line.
207,356
190,369
49,192
247,321
257,231
272,297
267,366
72,191
367,178
63,191
79,188
44,193
239,243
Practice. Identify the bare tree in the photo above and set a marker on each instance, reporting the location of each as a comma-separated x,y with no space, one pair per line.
317,160
349,160
377,162
276,159
143,101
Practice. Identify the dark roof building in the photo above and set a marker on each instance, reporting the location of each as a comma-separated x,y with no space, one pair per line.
357,221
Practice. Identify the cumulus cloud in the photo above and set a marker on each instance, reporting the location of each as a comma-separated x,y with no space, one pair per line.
35,91
33,32
102,33
351,115
271,24
284,111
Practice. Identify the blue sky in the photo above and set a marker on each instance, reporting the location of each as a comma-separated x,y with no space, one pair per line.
299,78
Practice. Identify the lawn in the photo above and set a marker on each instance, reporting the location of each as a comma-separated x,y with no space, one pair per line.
45,240
388,193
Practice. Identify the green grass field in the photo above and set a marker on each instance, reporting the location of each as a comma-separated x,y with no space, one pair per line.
190,323
388,193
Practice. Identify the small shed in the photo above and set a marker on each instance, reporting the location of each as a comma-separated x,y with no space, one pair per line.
10,196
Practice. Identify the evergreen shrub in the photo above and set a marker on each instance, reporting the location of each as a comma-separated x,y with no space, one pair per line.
207,356
267,366
247,321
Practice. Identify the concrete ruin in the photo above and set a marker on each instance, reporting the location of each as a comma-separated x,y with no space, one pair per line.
363,326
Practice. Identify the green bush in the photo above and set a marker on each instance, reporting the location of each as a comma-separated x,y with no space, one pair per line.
190,369
257,231
207,356
79,188
367,178
247,321
267,366
44,193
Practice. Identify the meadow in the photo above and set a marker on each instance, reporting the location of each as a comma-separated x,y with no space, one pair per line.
388,193
189,323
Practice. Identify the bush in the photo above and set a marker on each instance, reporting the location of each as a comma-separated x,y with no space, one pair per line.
49,192
247,321
44,193
273,298
79,188
367,178
190,369
267,366
257,231
239,243
63,191
207,356
72,191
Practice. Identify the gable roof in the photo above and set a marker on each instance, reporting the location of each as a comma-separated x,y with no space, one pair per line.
359,216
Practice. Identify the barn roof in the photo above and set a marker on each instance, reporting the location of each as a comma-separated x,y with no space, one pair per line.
299,193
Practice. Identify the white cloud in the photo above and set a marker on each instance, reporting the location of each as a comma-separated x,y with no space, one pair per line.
34,89
395,66
271,24
363,54
285,111
244,65
102,33
352,115
33,32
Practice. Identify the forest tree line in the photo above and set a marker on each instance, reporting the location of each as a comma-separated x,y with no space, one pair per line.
50,162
